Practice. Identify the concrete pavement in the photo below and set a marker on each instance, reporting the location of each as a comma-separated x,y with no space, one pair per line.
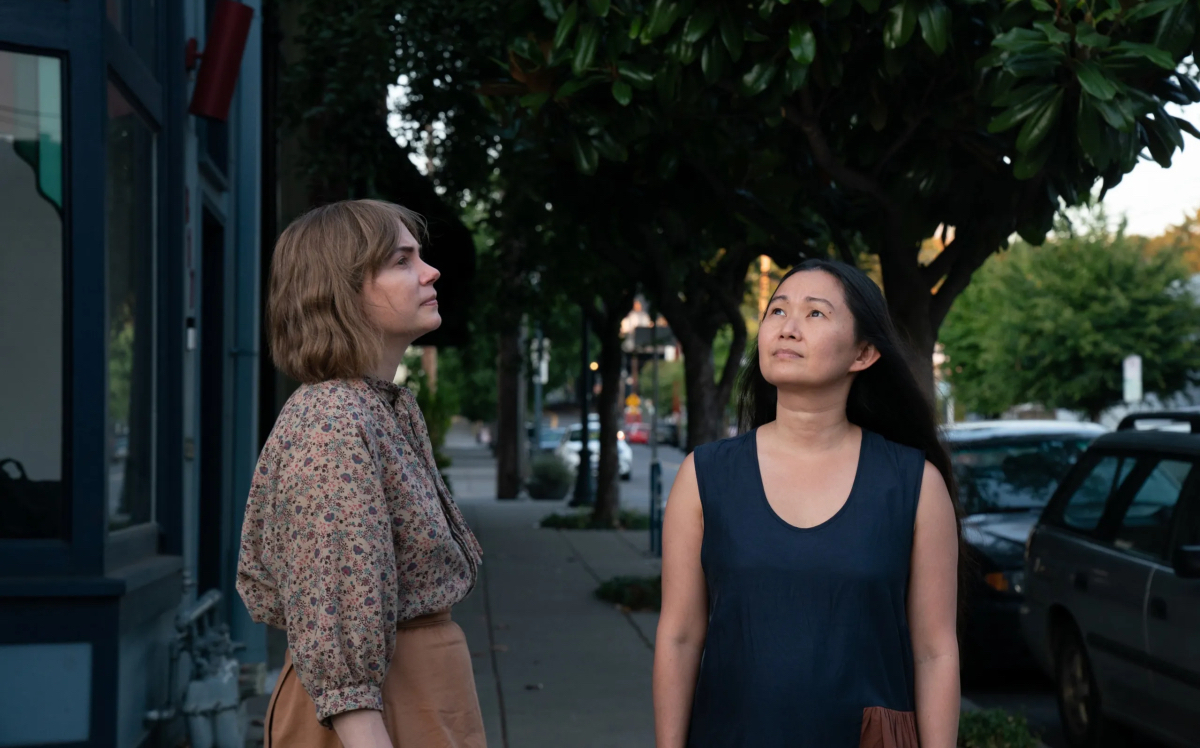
553,665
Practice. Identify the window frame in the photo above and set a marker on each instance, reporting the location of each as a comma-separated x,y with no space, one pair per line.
1053,515
92,50
1116,514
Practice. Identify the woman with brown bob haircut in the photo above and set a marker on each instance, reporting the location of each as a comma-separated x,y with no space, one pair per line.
352,543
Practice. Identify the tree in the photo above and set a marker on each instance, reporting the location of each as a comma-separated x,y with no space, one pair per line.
999,113
1052,325
1185,237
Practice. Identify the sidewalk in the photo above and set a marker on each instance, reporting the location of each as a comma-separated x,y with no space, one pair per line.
553,665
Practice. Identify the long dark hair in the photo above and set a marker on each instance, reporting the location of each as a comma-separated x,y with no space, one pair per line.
886,398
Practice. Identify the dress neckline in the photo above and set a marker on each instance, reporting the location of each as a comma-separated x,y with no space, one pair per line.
762,488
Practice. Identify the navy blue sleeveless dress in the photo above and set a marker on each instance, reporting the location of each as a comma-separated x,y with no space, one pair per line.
808,642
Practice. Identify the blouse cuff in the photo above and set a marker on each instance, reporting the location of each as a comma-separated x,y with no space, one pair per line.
338,700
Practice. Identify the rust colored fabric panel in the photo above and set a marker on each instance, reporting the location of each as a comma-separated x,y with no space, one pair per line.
888,728
429,698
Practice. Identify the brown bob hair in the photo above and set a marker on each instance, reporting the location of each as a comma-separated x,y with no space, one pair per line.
317,328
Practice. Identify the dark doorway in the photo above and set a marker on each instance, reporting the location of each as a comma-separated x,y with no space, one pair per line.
212,403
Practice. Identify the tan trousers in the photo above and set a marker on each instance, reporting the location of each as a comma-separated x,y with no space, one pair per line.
429,698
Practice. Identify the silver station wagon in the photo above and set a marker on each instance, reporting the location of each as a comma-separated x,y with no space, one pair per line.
1112,604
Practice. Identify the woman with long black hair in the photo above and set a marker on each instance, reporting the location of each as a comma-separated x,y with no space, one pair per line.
810,564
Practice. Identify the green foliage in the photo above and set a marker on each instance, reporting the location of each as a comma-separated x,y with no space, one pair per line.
582,520
438,407
994,728
1052,325
633,593
549,477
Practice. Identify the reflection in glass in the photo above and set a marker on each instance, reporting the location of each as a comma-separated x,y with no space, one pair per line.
130,202
32,498
1013,476
1146,525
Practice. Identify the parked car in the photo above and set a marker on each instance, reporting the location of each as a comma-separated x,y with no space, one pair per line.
1112,608
551,437
1006,472
637,433
572,443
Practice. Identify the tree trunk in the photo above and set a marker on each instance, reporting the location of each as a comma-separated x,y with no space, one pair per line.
508,417
607,326
916,327
706,400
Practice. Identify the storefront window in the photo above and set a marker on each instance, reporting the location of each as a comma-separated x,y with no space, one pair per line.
135,19
130,221
32,496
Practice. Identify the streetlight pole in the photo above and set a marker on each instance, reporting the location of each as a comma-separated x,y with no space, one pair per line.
583,478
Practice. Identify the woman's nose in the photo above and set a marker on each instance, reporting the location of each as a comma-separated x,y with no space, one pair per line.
429,274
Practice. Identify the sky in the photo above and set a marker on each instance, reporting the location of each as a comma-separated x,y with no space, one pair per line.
1154,198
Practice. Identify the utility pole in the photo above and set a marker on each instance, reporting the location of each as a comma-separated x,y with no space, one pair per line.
656,504
539,354
583,479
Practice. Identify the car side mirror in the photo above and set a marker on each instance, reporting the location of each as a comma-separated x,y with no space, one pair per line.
1187,562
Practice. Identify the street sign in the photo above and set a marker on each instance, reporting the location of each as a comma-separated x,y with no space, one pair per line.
633,401
1133,379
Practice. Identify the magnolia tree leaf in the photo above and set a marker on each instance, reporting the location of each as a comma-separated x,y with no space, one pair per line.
699,23
802,43
622,92
900,23
566,25
1040,123
935,26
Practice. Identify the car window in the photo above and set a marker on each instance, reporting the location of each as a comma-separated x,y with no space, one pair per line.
577,433
1146,526
1013,475
1085,507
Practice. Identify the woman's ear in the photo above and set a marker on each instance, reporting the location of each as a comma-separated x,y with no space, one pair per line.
866,358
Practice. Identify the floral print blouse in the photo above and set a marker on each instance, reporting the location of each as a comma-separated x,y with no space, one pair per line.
350,530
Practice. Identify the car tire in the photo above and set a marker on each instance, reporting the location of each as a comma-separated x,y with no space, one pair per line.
627,476
1079,708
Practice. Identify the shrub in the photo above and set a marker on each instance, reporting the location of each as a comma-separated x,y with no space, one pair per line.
582,520
994,728
633,593
549,478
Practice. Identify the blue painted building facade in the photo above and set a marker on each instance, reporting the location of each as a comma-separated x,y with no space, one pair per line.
130,255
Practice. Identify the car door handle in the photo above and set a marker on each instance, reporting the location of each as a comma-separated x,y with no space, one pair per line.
1080,580
1158,608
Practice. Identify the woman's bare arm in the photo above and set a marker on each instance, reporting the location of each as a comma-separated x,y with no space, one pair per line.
684,619
361,728
932,614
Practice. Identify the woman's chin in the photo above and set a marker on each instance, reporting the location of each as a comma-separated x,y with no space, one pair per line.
434,319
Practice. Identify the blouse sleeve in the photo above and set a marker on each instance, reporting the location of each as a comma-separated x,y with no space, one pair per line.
339,563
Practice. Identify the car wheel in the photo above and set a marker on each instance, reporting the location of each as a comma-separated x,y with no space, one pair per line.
627,476
1079,707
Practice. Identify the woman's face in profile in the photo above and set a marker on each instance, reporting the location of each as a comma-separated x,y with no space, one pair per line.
807,337
400,300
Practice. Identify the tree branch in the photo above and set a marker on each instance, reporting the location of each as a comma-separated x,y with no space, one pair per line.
824,157
968,259
733,312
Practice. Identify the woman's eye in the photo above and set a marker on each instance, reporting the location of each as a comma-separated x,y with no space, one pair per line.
816,313
777,311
